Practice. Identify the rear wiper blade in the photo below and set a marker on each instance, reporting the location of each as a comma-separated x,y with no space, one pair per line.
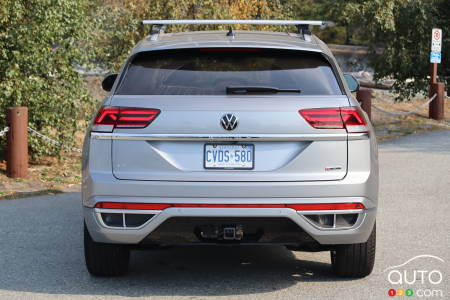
258,90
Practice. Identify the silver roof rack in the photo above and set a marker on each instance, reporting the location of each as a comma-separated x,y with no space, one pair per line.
302,25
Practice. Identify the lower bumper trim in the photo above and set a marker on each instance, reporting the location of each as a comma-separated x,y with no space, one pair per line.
195,230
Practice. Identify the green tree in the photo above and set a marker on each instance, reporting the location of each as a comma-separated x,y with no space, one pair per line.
41,42
404,31
118,26
402,28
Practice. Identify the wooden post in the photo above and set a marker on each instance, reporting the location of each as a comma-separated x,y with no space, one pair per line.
436,107
17,147
433,73
364,96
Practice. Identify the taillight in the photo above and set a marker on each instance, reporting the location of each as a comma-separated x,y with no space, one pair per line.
353,119
323,118
349,118
110,117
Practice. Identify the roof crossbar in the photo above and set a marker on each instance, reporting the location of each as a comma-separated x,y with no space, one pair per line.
234,22
302,25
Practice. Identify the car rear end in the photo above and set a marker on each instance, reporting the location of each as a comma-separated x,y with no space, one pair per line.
230,145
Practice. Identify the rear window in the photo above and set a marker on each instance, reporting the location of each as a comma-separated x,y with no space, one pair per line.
211,71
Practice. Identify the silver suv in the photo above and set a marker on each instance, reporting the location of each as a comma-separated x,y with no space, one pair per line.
230,138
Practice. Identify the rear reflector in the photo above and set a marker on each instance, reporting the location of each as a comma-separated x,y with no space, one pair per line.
120,205
110,117
326,206
350,118
298,207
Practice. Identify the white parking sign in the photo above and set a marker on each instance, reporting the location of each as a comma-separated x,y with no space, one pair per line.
436,40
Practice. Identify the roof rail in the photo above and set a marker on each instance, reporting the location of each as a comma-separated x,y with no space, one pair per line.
302,25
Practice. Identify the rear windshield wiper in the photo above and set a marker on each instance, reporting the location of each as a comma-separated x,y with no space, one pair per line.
258,90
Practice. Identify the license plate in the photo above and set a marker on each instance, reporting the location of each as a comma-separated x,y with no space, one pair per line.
229,156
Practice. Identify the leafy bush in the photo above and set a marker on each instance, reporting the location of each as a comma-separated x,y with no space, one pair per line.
405,33
41,42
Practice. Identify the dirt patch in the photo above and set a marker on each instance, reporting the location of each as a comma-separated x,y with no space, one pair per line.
389,127
46,176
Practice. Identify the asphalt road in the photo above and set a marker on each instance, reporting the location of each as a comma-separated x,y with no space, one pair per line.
41,253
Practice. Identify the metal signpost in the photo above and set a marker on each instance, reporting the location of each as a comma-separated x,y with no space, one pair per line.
435,55
436,109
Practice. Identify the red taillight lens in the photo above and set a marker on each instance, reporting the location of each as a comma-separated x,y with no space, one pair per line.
349,118
136,117
107,116
110,117
323,118
353,119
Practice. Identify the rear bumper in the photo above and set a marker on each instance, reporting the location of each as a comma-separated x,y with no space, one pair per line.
357,233
98,185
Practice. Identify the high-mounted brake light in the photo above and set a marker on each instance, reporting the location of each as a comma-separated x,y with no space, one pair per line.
349,118
110,117
297,207
229,50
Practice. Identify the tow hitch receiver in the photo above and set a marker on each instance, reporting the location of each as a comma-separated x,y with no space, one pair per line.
233,233
223,232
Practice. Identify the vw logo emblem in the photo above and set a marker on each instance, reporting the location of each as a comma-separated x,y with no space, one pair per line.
229,122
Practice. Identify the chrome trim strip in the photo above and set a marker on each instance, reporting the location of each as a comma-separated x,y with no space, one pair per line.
330,212
229,137
127,211
358,136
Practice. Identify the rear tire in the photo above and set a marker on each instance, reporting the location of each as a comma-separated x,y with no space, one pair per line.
105,259
354,260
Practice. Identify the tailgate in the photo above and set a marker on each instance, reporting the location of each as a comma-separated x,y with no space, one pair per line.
286,147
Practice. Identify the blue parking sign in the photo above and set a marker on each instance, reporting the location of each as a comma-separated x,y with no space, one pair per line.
435,57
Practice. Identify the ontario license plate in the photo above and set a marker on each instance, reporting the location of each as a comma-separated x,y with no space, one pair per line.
229,156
